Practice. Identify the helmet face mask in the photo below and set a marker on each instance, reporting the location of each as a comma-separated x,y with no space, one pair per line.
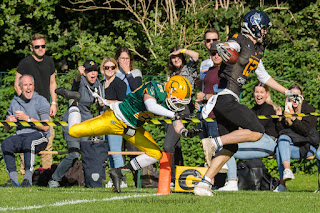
254,22
179,91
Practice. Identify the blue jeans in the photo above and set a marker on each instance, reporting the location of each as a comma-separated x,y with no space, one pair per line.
115,145
210,129
249,150
286,151
66,163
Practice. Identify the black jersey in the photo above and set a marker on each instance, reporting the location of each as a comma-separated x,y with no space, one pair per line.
233,77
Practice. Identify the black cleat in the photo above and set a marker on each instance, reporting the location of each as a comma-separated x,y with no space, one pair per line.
26,183
67,94
116,176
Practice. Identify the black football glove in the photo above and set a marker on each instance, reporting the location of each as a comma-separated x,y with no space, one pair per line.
193,132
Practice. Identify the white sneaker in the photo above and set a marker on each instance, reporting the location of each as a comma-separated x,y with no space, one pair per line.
231,185
224,169
280,188
123,184
109,184
288,175
53,184
209,148
203,189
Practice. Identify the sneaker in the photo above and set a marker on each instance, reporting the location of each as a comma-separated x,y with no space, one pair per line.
209,149
10,183
203,188
288,175
224,169
67,94
53,184
116,176
280,188
26,183
109,184
231,185
123,184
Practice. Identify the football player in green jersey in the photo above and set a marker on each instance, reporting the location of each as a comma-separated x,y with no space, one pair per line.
126,118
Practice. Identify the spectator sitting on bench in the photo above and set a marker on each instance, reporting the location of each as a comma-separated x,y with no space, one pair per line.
263,147
298,137
30,107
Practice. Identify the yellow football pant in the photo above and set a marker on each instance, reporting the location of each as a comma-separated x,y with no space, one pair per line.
109,124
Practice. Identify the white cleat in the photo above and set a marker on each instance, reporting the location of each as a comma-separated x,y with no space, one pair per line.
288,175
231,185
203,189
209,148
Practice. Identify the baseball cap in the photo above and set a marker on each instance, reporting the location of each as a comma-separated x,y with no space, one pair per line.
90,65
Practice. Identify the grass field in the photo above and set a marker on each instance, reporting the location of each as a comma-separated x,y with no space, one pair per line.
300,198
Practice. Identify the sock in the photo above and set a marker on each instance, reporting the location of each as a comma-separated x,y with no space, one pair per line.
74,116
142,161
14,177
28,176
218,141
205,181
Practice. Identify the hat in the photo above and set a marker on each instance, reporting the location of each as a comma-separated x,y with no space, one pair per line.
90,65
214,46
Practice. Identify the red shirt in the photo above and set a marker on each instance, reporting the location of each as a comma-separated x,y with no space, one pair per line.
209,81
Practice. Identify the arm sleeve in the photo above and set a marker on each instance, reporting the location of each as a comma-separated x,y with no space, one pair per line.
235,45
134,79
261,73
152,106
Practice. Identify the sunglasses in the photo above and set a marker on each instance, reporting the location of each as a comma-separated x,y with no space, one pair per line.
208,40
38,46
213,52
109,67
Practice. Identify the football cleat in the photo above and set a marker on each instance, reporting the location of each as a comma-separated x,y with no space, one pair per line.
67,94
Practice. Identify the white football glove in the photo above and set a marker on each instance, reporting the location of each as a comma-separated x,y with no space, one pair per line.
295,97
97,96
223,52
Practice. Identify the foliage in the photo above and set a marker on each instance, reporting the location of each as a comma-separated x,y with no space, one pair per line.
92,29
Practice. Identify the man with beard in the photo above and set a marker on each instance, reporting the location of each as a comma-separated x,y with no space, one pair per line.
30,107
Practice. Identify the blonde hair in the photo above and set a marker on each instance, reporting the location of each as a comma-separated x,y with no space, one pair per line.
105,60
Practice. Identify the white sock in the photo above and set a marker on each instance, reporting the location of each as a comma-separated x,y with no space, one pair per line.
74,116
218,141
205,181
142,161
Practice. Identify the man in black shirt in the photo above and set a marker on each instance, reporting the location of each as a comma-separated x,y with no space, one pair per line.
230,114
41,68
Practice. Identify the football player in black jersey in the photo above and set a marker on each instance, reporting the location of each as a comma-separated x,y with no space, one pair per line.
236,122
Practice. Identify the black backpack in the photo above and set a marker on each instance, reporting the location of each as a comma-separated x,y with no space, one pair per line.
253,175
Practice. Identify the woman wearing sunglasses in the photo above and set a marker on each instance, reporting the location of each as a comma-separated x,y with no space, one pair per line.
115,90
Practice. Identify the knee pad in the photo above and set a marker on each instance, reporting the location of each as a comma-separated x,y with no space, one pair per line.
74,116
231,147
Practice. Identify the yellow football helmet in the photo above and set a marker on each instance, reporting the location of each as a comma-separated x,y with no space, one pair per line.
179,91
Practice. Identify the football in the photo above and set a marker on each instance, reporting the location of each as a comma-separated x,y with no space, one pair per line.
234,56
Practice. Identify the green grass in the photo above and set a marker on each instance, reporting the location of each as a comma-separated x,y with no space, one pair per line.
300,198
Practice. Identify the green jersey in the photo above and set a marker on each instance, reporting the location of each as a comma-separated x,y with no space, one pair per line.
133,108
